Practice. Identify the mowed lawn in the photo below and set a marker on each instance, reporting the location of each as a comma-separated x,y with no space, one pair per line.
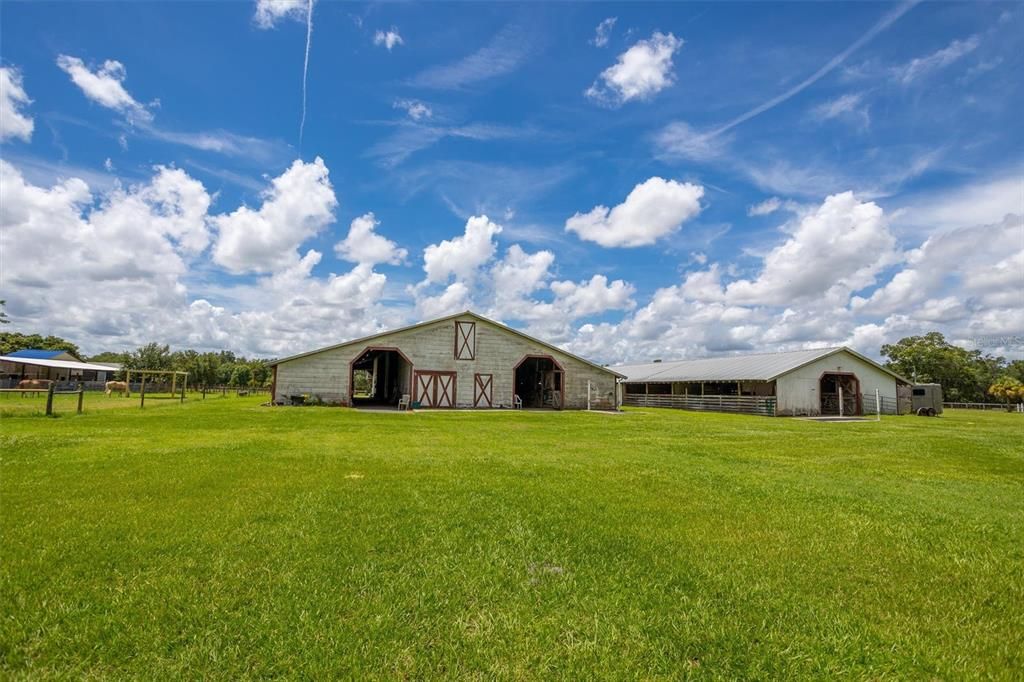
224,540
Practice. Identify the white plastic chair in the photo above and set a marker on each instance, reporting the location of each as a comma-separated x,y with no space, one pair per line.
403,403
517,402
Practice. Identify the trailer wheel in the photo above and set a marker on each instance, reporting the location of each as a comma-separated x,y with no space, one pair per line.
931,411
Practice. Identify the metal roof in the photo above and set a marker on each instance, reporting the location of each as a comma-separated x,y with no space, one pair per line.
466,313
748,367
55,364
37,353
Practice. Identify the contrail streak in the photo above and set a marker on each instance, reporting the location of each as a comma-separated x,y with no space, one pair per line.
305,67
883,23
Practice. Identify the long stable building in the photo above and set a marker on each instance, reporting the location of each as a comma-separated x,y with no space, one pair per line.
823,381
55,365
463,360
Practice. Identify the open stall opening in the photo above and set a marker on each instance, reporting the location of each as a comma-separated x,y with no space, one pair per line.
380,376
539,382
836,389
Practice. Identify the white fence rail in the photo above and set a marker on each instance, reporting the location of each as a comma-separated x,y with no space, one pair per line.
983,406
742,404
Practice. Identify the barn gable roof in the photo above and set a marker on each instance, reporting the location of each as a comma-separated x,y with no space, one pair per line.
748,367
467,313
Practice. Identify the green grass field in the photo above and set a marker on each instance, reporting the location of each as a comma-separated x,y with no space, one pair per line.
224,540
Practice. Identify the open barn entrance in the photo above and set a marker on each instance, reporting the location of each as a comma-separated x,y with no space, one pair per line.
838,389
379,376
539,382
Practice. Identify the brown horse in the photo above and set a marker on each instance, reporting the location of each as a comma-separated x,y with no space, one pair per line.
34,384
120,387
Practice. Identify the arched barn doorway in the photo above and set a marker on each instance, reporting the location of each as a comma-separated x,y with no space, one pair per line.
379,376
840,387
539,381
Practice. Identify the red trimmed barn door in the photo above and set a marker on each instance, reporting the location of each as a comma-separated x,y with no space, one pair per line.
435,389
483,390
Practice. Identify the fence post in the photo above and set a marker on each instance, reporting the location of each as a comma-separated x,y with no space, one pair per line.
49,399
81,396
142,393
878,406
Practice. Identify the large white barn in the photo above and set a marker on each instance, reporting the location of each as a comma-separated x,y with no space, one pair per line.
803,382
462,360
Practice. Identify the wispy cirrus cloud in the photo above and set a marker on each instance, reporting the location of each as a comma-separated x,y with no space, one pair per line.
850,106
919,67
411,137
504,54
699,144
603,32
416,109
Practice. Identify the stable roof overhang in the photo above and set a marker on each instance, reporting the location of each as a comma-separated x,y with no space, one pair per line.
749,367
56,364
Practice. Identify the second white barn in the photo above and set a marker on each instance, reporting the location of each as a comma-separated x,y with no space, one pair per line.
462,360
824,381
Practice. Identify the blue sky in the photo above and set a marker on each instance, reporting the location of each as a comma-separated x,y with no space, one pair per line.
629,181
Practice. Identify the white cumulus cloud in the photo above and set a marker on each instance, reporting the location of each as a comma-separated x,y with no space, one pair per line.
462,256
14,123
388,39
653,209
104,85
834,251
269,12
298,204
641,72
364,245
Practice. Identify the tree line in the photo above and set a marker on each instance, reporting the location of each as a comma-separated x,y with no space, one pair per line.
965,375
222,368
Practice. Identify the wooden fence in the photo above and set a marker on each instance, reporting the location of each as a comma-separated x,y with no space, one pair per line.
743,404
50,392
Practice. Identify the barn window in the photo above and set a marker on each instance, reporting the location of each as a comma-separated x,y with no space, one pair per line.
465,340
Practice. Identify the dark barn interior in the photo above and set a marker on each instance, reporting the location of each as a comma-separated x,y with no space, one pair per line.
379,377
538,382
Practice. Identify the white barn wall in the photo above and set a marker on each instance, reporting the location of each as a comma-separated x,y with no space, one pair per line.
432,347
798,391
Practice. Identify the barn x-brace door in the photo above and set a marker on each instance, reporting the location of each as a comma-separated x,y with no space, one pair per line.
483,390
435,389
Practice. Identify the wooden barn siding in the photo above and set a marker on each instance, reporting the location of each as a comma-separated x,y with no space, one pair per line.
433,348
797,391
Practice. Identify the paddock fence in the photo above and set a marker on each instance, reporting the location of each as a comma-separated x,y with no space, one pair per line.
889,405
740,404
49,393
983,406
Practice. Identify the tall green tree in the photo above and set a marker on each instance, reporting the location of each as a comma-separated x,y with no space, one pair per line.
964,374
1007,389
260,372
150,356
242,375
15,341
108,356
